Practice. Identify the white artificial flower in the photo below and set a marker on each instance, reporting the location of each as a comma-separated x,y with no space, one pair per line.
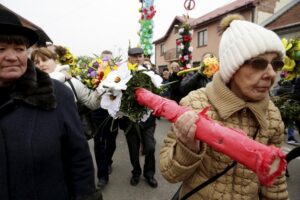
111,101
191,49
181,46
181,30
189,66
155,79
117,80
186,57
146,116
191,32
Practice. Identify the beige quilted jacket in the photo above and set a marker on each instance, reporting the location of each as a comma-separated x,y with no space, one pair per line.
178,163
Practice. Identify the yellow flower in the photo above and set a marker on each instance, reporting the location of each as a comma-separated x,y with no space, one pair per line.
210,66
287,44
132,66
289,64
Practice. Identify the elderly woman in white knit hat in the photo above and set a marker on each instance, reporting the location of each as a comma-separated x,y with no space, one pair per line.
238,97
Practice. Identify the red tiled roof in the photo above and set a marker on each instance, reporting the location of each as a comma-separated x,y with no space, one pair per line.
223,10
211,15
177,19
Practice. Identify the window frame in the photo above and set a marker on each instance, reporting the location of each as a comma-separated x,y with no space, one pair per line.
202,38
162,49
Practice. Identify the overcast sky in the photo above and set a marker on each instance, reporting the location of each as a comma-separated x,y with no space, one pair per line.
91,26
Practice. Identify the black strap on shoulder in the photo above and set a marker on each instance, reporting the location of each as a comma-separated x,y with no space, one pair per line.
214,178
73,88
209,181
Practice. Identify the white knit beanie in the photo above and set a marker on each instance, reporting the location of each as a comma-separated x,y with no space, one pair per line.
243,40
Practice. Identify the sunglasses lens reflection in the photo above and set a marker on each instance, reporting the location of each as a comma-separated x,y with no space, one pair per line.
277,64
262,64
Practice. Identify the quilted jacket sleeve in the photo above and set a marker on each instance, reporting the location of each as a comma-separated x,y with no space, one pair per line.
278,190
177,162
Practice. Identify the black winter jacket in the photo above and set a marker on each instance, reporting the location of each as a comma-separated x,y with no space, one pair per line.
43,152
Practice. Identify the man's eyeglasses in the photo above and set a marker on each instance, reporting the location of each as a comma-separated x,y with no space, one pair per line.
262,64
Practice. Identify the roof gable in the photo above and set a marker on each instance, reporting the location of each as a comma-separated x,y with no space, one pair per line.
176,20
219,12
213,15
288,15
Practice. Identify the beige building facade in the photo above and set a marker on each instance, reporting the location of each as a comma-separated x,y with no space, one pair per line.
205,29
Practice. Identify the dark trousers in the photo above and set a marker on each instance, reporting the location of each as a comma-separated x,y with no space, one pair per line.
104,142
294,153
135,138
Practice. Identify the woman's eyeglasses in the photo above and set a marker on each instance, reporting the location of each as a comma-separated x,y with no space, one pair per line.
262,64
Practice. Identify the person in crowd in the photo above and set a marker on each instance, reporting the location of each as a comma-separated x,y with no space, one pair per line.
46,60
175,80
165,76
105,138
238,97
194,81
291,137
144,136
43,152
148,64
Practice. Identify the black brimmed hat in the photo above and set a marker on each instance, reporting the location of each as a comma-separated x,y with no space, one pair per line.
135,51
11,24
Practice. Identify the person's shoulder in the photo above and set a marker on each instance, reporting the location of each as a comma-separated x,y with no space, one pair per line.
61,90
77,83
197,99
273,111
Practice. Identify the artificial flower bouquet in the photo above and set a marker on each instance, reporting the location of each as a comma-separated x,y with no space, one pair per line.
65,57
146,31
209,66
291,68
287,95
120,85
92,72
184,45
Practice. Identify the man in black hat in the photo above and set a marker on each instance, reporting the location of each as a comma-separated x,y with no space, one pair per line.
43,152
136,56
143,135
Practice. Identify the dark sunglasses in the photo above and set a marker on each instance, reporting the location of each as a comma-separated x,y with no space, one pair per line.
262,64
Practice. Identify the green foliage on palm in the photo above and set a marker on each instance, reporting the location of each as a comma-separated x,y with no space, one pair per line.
129,105
289,109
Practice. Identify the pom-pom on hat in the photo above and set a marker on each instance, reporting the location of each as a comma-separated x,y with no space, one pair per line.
242,40
11,24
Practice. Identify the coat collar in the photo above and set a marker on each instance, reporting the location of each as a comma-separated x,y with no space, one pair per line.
227,103
35,88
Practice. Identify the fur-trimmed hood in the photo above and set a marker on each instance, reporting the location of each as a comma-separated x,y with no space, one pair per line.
35,87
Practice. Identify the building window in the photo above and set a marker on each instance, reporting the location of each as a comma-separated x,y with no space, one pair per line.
202,38
196,64
176,28
177,47
161,68
162,49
